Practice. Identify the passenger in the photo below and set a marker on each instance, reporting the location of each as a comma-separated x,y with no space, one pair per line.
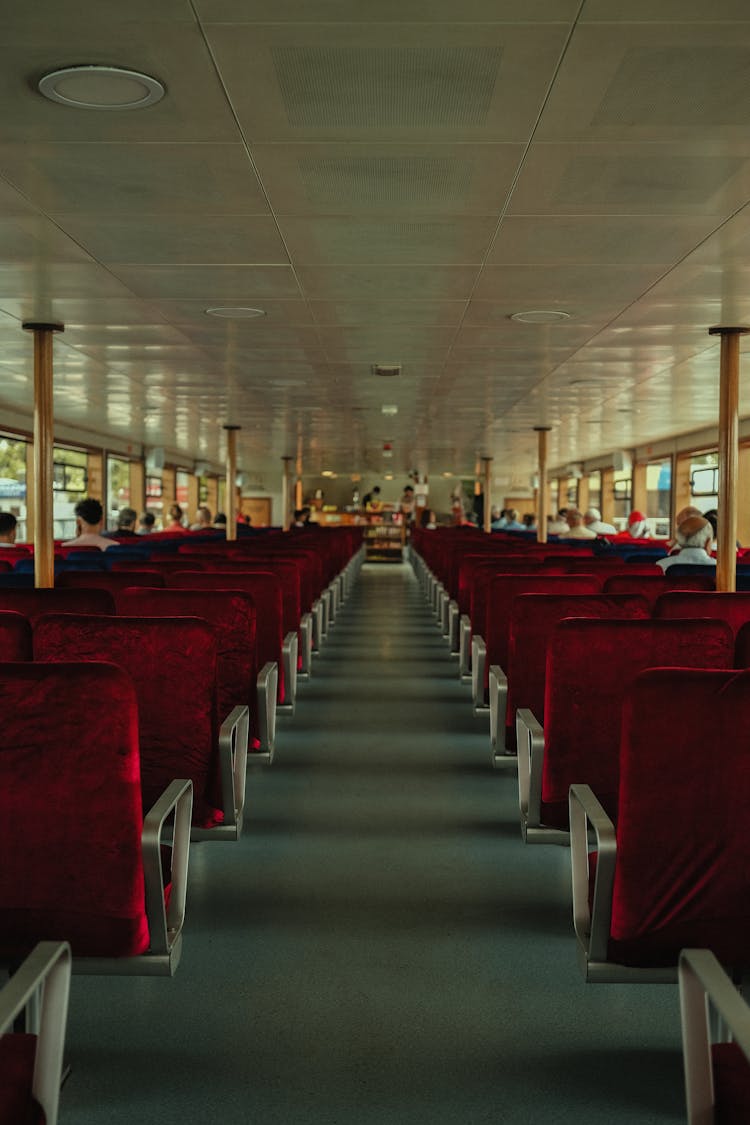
372,500
682,515
576,528
558,525
174,522
529,522
593,521
126,518
497,518
406,504
204,519
146,523
301,517
8,529
637,527
694,536
220,521
89,525
512,522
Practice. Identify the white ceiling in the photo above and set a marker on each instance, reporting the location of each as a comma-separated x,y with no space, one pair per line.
389,181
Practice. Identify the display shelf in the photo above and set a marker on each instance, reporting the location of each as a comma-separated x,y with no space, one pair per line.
384,542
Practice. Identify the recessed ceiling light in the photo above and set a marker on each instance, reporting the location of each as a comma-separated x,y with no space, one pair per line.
540,316
388,408
235,312
101,87
386,369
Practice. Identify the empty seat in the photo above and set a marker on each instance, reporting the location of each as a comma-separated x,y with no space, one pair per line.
590,665
32,602
31,1060
733,608
111,580
172,662
673,873
86,867
15,636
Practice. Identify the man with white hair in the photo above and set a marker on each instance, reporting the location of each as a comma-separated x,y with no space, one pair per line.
694,537
593,521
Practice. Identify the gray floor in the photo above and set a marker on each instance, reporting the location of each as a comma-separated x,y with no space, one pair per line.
380,947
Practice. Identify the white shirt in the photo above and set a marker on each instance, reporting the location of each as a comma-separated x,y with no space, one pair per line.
600,528
695,555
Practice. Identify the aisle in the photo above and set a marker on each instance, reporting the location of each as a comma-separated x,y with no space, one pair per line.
380,949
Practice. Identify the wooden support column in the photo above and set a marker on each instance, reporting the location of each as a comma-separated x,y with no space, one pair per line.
231,485
137,486
44,437
729,385
487,494
541,508
286,480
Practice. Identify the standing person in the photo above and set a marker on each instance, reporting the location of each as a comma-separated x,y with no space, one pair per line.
372,500
89,525
8,529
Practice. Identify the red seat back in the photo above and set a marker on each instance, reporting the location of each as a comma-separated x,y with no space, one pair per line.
172,662
533,618
733,608
682,876
590,665
15,636
111,580
286,570
70,810
35,601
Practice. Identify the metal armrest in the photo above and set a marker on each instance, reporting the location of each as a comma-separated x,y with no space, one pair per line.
478,664
317,633
444,603
233,738
592,926
266,691
706,991
41,987
530,748
464,646
289,658
165,924
453,616
306,636
498,699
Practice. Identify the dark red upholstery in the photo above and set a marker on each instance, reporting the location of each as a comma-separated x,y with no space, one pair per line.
590,665
532,621
70,810
33,602
682,877
652,586
286,570
265,590
17,1106
172,662
111,580
733,608
488,562
502,592
232,615
742,647
15,636
731,1071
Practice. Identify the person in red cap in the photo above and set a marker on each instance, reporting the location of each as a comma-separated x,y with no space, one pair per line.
637,528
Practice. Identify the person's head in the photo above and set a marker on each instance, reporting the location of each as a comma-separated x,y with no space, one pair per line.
8,527
204,516
126,518
695,531
512,515
592,515
89,516
147,521
637,524
529,520
175,513
712,516
220,520
495,512
408,488
376,490
562,513
685,513
574,517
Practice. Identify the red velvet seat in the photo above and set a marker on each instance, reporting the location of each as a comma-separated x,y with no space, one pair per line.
172,662
673,873
31,1061
590,665
15,636
492,646
533,619
32,602
734,608
111,580
84,867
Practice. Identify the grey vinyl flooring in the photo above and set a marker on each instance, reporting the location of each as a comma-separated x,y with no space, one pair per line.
380,947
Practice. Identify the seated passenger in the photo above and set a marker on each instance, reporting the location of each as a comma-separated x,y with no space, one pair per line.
8,528
637,527
497,518
89,524
220,521
174,520
512,522
558,525
593,521
576,528
529,522
694,537
146,523
126,518
204,519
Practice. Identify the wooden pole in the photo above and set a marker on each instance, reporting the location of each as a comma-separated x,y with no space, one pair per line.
231,488
44,440
487,494
729,384
285,493
542,491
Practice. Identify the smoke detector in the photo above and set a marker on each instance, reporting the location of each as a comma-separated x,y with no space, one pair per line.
386,369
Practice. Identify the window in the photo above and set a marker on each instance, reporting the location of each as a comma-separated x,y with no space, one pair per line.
704,480
622,491
118,488
595,490
69,485
658,494
13,482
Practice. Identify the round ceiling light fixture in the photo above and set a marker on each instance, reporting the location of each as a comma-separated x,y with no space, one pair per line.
540,316
235,312
101,87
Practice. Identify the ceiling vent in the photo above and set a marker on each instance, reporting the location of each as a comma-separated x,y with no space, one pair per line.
386,369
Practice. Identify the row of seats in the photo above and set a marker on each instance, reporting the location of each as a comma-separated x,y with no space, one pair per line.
640,766
126,717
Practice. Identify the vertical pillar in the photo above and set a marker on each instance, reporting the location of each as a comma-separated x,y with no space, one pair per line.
285,492
729,383
138,486
44,547
487,493
231,485
541,507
